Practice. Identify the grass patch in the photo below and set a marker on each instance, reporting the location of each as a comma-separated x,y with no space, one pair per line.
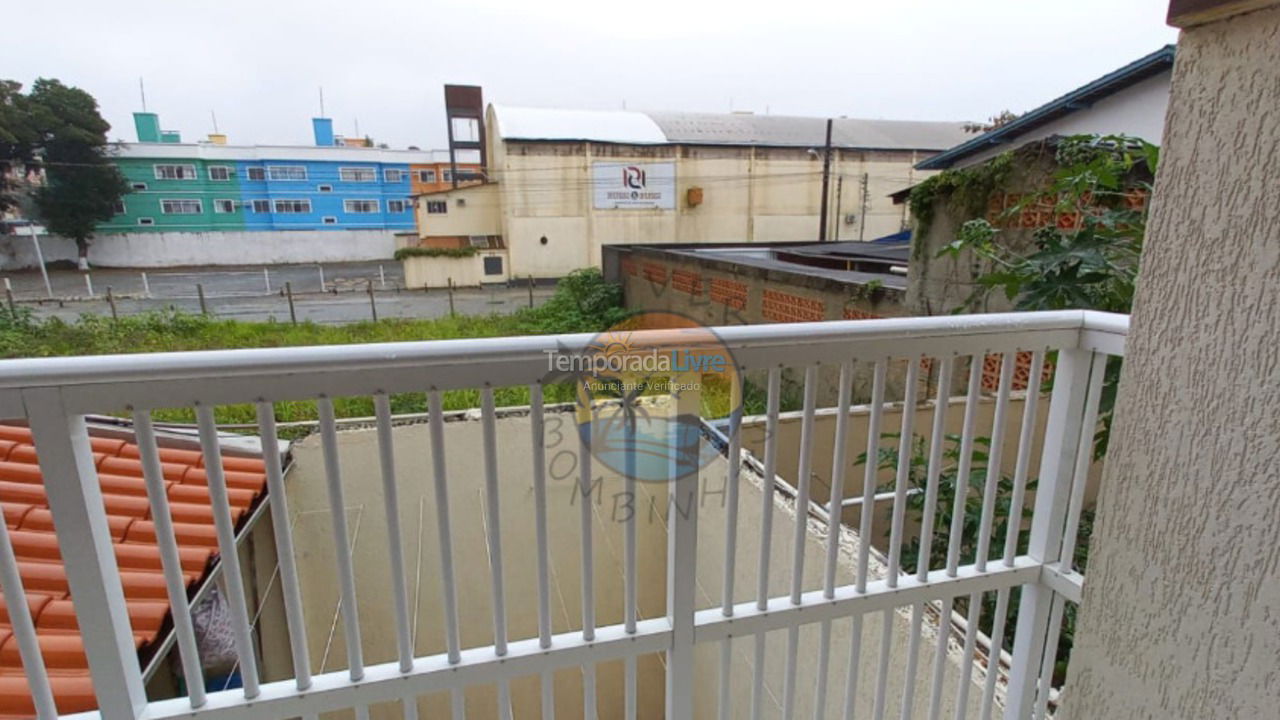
583,302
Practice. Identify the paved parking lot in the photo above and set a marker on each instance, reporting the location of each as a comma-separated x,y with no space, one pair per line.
247,293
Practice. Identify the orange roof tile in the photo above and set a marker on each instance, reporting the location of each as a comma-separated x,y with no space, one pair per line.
30,527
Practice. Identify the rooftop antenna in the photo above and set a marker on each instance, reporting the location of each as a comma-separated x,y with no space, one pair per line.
321,101
142,90
215,121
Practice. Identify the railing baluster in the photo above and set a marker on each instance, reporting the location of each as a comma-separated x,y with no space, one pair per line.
995,453
175,583
730,545
682,555
547,695
587,415
966,662
803,473
961,485
994,648
869,477
937,444
757,678
906,444
537,431
1084,454
391,505
1047,663
768,488
1026,439
341,544
882,672
834,509
493,520
940,658
282,530
913,661
1063,433
24,631
852,666
227,554
435,425
84,540
766,531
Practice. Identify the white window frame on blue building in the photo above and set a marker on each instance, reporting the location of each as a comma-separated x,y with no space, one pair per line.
287,173
358,174
294,206
394,175
397,205
366,206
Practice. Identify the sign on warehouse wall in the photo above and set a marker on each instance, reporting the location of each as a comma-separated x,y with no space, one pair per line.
625,186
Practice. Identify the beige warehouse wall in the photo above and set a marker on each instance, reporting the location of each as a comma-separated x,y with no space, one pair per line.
368,535
749,195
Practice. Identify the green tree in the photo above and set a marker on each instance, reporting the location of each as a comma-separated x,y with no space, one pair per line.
70,139
17,143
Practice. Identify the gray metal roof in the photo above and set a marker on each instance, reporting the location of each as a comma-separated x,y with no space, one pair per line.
741,129
790,131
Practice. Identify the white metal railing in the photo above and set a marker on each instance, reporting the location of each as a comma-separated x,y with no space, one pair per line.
53,395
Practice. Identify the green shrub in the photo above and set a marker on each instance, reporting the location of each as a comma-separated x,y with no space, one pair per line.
460,252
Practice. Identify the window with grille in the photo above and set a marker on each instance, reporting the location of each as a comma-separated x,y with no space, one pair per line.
356,174
437,207
181,207
220,172
360,206
287,172
293,207
175,172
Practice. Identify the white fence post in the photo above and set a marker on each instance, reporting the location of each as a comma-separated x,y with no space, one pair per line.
1063,434
75,500
682,551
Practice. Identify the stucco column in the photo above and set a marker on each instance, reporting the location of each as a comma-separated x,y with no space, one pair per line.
1181,610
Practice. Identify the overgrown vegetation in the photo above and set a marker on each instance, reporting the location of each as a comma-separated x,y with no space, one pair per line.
583,302
1003,513
966,189
458,252
1091,264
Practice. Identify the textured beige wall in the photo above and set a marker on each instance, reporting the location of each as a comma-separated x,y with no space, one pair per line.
1181,611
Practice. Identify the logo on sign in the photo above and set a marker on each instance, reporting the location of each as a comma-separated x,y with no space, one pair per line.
633,177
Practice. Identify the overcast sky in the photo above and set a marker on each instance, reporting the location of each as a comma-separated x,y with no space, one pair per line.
258,65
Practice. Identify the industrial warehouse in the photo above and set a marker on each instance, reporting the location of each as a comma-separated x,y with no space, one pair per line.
563,183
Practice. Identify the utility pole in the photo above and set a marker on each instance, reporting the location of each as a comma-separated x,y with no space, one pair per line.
862,214
839,192
826,183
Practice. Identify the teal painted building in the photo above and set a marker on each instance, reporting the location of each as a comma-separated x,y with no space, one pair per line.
215,187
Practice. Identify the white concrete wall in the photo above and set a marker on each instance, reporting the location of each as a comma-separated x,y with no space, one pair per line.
417,511
175,249
1138,110
436,272
1181,610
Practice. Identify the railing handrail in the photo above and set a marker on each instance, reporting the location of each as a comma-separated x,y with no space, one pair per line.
197,364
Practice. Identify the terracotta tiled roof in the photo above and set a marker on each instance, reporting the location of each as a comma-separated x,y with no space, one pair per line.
26,513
